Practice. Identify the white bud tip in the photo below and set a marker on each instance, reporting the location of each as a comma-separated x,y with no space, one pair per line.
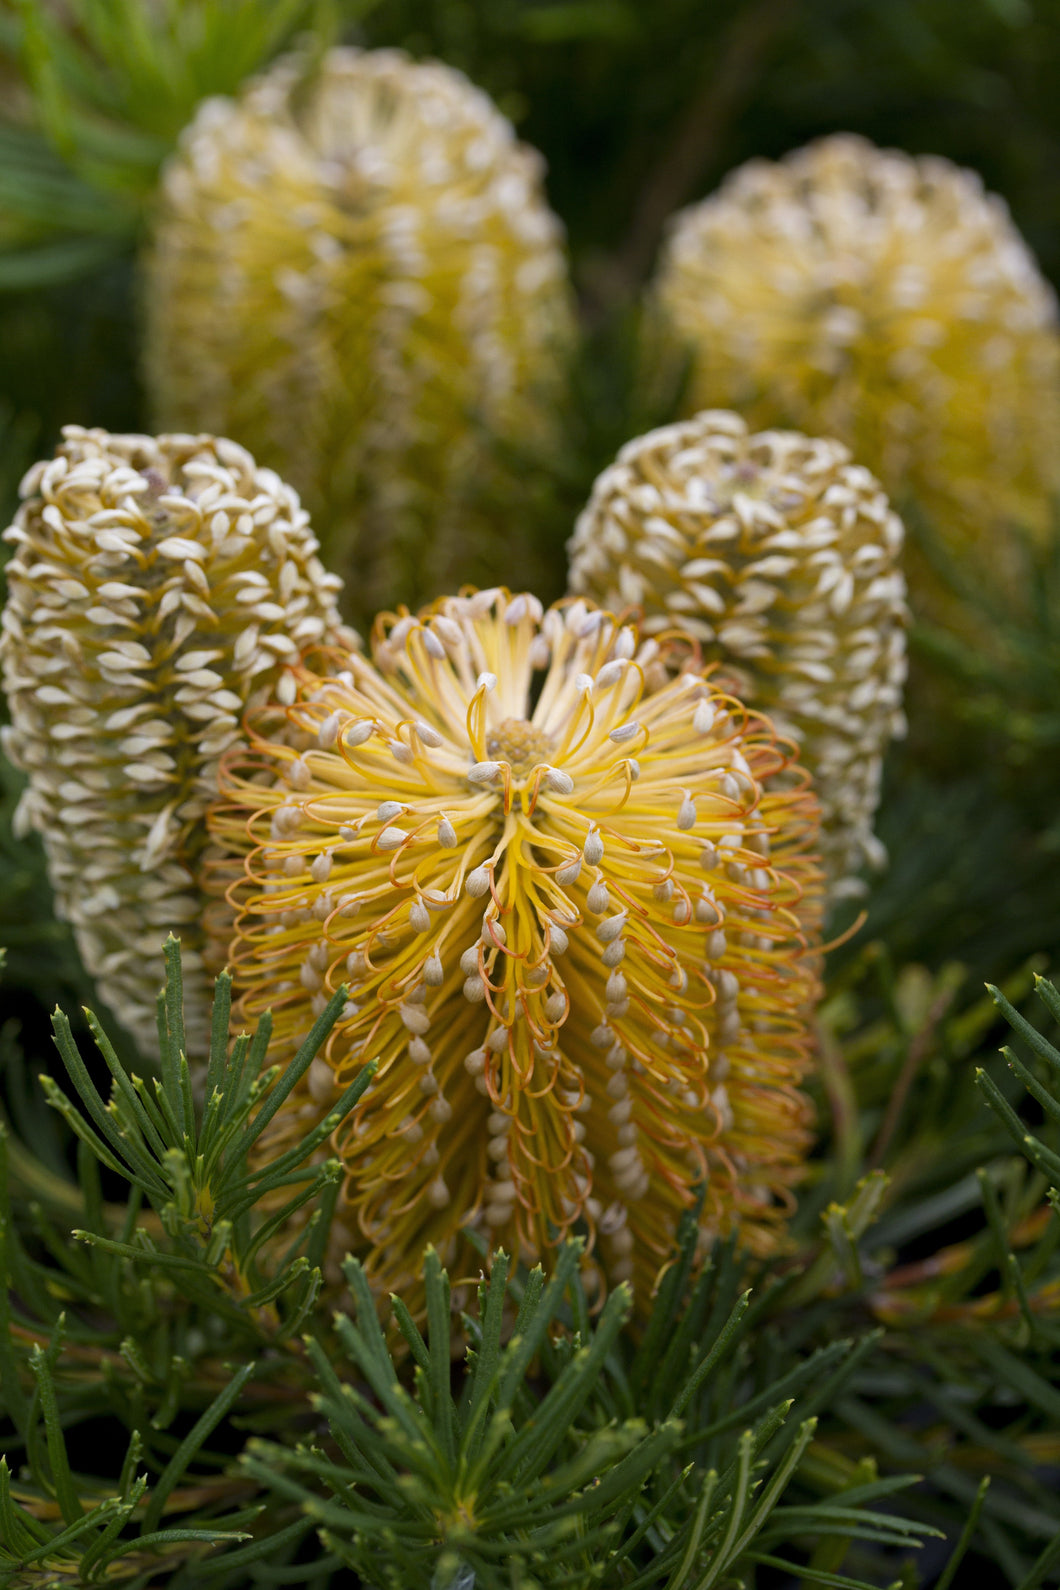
593,850
609,675
703,718
598,898
484,772
415,1018
477,882
321,868
611,927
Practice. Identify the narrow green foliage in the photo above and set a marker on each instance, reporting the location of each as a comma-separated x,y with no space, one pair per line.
112,83
1013,659
743,1425
548,1475
138,1318
191,1164
959,1258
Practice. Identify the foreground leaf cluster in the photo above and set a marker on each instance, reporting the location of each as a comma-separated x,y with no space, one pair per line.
271,1425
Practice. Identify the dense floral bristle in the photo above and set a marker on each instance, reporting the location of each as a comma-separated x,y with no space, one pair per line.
158,587
576,907
781,558
888,301
358,275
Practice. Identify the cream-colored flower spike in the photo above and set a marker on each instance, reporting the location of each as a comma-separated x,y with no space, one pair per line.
359,277
158,588
888,301
779,557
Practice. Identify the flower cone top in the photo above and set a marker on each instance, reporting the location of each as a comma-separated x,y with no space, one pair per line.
158,587
888,301
358,275
781,557
576,910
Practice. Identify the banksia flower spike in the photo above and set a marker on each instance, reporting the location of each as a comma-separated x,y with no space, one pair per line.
576,911
358,276
888,301
780,557
157,588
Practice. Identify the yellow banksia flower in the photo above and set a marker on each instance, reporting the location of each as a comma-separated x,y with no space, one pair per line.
886,300
781,558
158,587
358,277
576,911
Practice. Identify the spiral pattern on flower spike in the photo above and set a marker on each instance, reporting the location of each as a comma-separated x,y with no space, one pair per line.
577,913
780,558
158,587
888,301
359,277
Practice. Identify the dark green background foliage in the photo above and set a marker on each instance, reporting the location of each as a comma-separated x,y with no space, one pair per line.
917,1320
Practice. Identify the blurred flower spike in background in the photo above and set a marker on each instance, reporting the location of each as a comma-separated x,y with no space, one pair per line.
353,269
890,302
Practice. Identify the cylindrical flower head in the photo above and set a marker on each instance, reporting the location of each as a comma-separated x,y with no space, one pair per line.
359,278
780,558
577,916
158,587
888,301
